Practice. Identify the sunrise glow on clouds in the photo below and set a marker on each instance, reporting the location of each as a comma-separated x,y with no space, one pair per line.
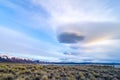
61,30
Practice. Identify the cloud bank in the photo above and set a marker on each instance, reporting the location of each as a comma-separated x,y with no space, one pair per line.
61,30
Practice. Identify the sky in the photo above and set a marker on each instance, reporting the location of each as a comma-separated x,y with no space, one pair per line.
61,30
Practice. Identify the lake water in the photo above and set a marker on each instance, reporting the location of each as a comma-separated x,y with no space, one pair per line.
117,66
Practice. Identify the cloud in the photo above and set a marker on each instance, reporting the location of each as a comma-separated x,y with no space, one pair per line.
89,30
90,26
92,30
70,38
74,47
25,14
100,43
67,53
70,11
19,44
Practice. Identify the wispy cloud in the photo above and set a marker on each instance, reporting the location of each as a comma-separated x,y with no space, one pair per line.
70,11
16,43
74,30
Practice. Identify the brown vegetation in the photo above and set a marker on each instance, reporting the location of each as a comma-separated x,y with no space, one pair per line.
10,71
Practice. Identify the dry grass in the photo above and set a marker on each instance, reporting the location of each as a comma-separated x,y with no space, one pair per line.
11,71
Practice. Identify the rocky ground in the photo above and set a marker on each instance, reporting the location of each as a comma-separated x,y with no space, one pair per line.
12,71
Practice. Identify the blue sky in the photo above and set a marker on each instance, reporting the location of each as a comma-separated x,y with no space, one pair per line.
61,30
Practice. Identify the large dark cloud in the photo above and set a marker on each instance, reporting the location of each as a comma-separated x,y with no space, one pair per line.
91,30
69,38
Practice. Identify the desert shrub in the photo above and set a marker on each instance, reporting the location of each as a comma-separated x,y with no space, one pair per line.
91,76
27,79
10,71
2,70
81,74
40,67
37,78
6,77
27,72
97,75
45,77
56,77
43,72
71,77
